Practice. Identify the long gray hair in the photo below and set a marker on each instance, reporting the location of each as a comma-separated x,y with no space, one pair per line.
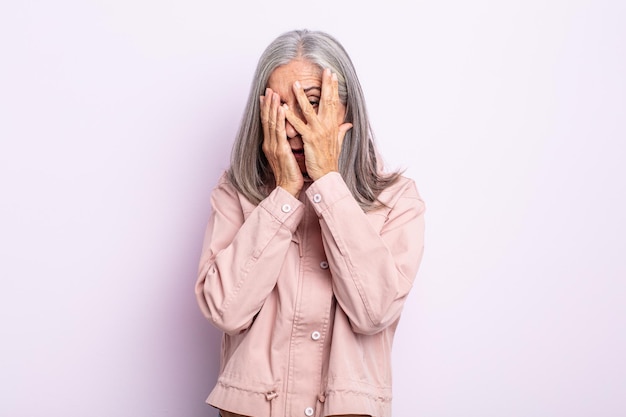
358,165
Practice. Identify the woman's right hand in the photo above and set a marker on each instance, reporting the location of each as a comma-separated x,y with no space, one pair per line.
276,146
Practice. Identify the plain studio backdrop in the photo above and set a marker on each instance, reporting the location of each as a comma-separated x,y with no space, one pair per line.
117,117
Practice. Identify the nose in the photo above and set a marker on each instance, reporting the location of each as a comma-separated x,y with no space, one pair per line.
290,130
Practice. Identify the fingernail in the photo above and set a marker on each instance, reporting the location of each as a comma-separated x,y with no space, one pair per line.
285,106
334,77
297,84
267,91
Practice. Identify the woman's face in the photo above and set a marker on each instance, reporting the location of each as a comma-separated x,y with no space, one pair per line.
310,77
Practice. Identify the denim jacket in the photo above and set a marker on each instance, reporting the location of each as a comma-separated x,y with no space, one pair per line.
308,293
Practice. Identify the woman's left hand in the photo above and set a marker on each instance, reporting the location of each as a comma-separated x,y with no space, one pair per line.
322,131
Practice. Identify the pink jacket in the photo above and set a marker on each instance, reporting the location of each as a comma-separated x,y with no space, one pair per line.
308,294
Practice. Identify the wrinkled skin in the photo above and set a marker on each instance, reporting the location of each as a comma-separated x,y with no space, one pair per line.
303,124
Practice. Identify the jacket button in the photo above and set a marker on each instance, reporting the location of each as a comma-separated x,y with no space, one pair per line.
316,335
324,265
308,411
317,198
286,208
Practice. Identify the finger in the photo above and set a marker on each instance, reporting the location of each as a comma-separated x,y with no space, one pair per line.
281,135
329,96
271,122
265,101
335,84
310,116
295,121
274,104
268,120
285,158
343,129
264,116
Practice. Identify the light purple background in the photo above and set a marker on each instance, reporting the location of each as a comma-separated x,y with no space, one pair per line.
117,116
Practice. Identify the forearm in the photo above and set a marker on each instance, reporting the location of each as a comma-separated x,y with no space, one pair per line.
241,263
372,268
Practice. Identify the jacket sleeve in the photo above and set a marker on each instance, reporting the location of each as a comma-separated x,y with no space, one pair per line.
241,257
372,271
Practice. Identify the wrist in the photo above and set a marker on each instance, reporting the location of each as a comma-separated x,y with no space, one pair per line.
319,174
292,189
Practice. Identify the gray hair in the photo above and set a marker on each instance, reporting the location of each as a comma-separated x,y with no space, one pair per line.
249,170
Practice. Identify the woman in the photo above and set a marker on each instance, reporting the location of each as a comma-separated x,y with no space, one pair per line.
311,250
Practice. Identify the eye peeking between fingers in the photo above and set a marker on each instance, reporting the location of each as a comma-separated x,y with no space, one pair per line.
315,102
